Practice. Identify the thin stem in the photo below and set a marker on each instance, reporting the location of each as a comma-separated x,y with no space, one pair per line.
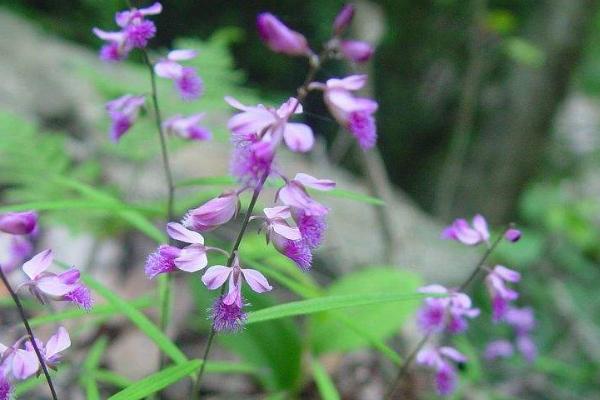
165,286
236,245
38,353
406,365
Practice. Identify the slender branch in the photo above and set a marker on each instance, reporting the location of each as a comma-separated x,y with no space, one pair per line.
38,353
395,386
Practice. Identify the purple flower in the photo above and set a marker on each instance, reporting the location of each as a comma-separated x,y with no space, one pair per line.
501,294
276,224
185,79
213,213
14,250
512,235
439,360
138,31
117,47
6,391
294,194
167,259
356,50
123,113
521,319
527,347
65,286
462,232
279,37
312,227
227,310
187,127
449,313
23,363
353,113
343,19
18,223
498,349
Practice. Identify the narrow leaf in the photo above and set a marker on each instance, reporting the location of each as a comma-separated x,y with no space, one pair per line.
324,383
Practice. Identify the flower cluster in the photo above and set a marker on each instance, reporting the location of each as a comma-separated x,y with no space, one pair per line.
295,223
20,361
450,309
136,32
353,113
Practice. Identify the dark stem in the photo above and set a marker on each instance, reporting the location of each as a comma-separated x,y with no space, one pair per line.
165,287
406,365
232,255
29,332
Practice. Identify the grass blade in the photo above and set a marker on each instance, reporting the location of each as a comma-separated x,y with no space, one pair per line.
324,383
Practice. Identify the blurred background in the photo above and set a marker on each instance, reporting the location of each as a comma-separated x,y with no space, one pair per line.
486,107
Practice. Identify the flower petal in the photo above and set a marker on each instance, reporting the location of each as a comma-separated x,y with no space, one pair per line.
192,258
38,264
215,276
24,364
288,232
181,233
182,55
58,342
312,182
298,137
256,280
53,286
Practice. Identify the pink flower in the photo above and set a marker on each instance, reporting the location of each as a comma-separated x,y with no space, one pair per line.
187,127
138,31
65,286
501,294
439,360
356,50
462,232
353,113
213,213
228,310
23,363
117,47
449,313
294,194
279,37
18,223
343,19
185,79
123,113
167,259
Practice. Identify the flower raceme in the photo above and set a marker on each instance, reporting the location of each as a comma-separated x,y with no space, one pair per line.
20,359
65,286
135,32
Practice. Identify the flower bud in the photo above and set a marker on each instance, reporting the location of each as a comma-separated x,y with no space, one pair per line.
279,37
512,235
356,50
213,213
18,223
343,19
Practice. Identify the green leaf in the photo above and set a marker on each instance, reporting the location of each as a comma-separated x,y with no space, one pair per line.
96,311
90,365
158,381
393,299
112,378
326,303
324,383
137,318
349,195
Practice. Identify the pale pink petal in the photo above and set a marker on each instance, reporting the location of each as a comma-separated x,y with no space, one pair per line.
428,357
154,9
480,225
38,264
168,69
256,280
58,342
182,55
215,276
192,258
255,120
109,36
286,108
53,286
288,232
453,354
282,212
314,183
181,233
235,103
352,82
298,137
507,274
24,364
